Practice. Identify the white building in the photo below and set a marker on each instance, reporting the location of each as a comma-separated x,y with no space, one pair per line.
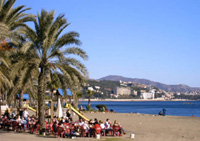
122,91
90,88
149,95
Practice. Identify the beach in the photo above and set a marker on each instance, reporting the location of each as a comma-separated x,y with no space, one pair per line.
153,127
144,127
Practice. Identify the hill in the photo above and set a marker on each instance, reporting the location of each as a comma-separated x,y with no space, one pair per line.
168,88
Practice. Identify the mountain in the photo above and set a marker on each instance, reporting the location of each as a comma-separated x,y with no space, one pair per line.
168,88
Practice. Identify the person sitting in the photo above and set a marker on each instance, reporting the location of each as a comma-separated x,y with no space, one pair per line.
23,122
162,113
81,122
1,122
96,121
97,128
103,128
121,130
85,128
55,126
91,125
108,126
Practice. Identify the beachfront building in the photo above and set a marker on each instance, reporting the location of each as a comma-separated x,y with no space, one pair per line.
149,95
122,91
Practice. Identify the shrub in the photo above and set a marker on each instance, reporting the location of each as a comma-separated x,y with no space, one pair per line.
102,108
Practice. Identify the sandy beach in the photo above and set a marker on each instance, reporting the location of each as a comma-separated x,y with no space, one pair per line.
145,128
153,127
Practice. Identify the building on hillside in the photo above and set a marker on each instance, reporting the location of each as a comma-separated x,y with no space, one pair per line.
97,87
90,88
143,91
149,95
135,92
122,91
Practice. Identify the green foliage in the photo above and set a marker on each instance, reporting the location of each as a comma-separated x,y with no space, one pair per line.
102,108
88,107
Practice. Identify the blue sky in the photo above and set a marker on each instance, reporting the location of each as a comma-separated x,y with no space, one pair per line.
152,39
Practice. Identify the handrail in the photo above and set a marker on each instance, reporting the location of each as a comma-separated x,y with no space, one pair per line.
75,111
30,108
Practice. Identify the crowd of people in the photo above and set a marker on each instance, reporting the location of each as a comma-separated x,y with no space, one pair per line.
61,127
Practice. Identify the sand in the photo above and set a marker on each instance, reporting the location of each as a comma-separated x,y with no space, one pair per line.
145,128
153,127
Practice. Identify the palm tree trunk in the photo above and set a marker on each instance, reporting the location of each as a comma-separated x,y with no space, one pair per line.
75,101
41,96
89,100
52,106
0,103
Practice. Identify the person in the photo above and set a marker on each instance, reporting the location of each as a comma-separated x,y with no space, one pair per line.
91,125
1,122
86,128
108,126
55,126
24,122
96,121
162,113
164,110
7,113
103,128
121,130
25,114
81,122
81,108
69,115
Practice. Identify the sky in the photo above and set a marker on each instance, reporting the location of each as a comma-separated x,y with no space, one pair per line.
157,40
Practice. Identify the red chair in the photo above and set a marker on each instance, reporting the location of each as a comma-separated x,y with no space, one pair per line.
97,130
67,131
14,125
84,132
116,130
60,132
37,128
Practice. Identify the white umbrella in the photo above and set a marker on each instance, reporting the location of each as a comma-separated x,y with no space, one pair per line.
59,112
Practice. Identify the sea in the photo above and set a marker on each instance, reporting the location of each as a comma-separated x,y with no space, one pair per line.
173,108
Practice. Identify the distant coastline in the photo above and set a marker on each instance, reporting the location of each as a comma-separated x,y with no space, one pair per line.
134,100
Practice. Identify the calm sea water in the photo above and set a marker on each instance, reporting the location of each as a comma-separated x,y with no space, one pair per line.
175,108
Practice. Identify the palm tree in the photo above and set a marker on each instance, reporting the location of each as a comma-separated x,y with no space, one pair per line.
4,74
11,20
90,94
23,72
53,56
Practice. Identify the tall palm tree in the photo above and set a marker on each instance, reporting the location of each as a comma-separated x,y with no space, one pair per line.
54,51
11,20
23,72
4,74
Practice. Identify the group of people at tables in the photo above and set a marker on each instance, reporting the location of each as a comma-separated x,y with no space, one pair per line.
86,128
18,122
63,127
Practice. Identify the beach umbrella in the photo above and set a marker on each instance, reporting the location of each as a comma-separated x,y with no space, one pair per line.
59,112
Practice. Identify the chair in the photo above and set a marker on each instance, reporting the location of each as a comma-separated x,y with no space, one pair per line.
84,132
67,131
14,125
116,130
97,131
37,128
60,131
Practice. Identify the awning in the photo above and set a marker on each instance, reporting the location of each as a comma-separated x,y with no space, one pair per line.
68,91
25,96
